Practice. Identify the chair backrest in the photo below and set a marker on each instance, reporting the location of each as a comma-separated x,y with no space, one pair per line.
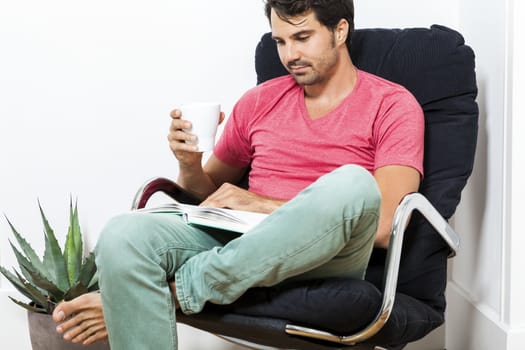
438,68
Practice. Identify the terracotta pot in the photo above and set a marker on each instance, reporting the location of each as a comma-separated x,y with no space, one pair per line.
44,336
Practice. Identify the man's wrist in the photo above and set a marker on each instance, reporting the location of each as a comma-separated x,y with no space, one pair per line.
271,204
194,180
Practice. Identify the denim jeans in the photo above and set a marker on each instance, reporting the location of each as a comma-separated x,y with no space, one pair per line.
326,230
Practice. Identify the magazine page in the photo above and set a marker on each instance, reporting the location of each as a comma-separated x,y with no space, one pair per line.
226,219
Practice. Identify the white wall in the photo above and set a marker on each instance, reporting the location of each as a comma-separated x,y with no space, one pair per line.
485,294
86,88
515,303
475,267
515,278
85,95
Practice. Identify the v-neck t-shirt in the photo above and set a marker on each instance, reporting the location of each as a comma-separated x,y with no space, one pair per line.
378,124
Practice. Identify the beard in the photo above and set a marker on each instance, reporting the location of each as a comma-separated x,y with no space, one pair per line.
309,77
316,71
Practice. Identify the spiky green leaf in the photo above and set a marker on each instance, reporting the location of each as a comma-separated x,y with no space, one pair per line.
39,285
88,270
53,257
29,307
43,283
25,272
29,252
76,291
23,262
73,250
77,235
16,282
37,296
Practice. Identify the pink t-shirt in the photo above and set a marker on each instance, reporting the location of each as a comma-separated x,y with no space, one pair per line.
379,123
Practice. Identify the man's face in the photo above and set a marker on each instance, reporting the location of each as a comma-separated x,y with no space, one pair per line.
306,47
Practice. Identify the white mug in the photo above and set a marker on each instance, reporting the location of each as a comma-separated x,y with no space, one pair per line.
204,118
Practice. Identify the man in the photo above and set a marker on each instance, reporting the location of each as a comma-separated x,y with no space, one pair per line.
332,150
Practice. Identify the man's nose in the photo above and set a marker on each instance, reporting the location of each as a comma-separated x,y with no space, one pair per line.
291,53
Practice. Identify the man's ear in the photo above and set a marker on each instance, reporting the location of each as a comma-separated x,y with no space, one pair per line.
341,31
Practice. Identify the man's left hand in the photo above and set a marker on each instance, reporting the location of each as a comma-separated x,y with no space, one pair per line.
233,197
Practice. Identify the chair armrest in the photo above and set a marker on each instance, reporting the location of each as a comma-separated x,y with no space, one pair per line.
411,202
164,185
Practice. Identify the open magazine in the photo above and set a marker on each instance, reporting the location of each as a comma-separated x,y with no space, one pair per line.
224,219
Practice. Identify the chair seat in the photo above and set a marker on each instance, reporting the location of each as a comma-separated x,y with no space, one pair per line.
257,330
331,304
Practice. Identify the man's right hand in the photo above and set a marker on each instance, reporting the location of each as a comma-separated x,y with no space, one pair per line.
186,154
192,175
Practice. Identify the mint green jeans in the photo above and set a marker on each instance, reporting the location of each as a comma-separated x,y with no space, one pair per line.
326,230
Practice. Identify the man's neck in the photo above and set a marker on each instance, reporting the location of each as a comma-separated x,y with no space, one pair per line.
322,98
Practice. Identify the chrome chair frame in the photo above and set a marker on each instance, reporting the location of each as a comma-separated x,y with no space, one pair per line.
410,203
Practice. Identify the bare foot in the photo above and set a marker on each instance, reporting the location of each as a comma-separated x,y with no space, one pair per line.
81,320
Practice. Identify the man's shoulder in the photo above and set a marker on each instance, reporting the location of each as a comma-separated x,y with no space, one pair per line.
281,83
379,86
379,82
270,90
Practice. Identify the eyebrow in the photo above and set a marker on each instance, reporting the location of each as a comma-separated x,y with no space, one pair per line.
296,34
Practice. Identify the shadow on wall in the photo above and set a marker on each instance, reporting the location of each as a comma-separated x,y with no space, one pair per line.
473,219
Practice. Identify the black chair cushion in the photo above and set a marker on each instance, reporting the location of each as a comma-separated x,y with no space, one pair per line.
261,315
436,66
293,301
438,69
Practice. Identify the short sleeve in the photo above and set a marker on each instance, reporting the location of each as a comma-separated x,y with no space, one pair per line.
399,132
233,147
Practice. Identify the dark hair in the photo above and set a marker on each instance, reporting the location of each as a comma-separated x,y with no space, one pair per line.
328,12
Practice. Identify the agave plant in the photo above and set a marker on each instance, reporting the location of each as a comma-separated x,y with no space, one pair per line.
60,275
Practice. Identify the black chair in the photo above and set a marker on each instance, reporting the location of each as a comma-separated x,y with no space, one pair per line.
402,298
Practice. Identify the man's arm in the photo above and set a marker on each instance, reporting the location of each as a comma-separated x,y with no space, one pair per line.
212,183
197,180
203,181
394,181
233,197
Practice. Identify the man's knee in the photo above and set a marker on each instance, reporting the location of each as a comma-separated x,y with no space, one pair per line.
351,184
123,236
